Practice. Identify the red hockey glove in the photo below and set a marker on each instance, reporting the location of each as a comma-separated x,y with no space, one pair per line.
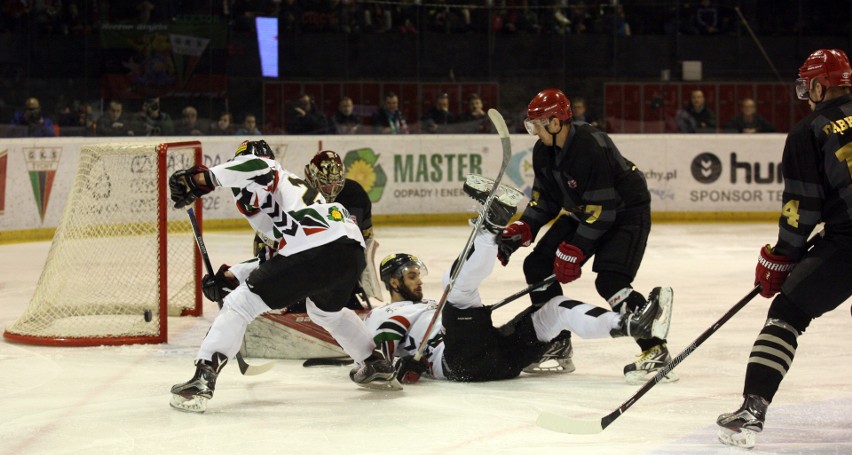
566,266
185,190
216,287
771,271
410,370
515,235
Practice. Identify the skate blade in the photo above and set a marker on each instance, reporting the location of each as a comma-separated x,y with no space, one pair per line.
551,367
195,404
641,377
392,385
660,327
743,438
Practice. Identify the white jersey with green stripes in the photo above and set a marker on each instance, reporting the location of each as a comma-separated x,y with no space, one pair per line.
281,207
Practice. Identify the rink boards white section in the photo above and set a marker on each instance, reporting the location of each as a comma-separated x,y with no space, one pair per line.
703,176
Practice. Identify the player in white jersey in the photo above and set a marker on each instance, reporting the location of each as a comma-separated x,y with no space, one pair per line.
466,346
297,267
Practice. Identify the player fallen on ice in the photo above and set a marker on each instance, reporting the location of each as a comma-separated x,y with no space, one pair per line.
817,170
466,346
607,206
295,267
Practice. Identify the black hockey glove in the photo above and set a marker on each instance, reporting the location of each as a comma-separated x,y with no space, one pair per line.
410,370
184,189
216,287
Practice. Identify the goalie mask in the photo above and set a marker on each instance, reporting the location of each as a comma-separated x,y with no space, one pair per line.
257,148
325,172
396,266
830,67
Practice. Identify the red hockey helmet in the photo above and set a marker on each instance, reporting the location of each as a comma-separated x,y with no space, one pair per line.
828,66
547,104
326,173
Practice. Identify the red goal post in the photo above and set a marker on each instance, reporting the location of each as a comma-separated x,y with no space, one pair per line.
122,259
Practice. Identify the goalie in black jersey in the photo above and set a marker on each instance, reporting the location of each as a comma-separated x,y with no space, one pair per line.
817,169
602,208
466,346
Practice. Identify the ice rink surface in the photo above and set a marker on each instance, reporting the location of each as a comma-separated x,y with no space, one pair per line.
114,400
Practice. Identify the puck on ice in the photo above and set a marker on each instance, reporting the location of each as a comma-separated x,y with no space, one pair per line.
147,315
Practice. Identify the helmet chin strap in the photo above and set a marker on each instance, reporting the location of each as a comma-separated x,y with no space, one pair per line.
553,135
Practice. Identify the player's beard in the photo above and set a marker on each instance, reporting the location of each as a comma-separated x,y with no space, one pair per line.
415,295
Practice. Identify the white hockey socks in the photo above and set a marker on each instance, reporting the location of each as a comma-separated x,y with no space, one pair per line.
240,307
587,321
346,328
465,291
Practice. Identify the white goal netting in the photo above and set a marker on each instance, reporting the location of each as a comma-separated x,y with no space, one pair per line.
122,258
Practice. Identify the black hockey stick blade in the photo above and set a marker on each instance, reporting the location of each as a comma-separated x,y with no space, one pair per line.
541,284
327,361
245,368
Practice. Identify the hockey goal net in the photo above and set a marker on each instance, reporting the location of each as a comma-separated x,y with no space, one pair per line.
122,258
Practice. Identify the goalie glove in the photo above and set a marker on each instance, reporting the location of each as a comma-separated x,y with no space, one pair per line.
216,287
410,370
568,262
185,189
771,271
515,235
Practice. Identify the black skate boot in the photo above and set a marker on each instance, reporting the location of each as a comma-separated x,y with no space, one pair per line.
650,321
503,207
192,396
375,373
557,358
740,428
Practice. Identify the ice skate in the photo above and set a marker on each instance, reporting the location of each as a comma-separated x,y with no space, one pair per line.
648,364
375,373
192,396
740,428
650,321
503,207
557,358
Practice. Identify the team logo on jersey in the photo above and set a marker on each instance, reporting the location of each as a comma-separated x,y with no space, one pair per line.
571,183
706,167
361,166
334,214
41,166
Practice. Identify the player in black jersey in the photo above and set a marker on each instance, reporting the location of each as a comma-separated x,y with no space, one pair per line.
579,169
817,170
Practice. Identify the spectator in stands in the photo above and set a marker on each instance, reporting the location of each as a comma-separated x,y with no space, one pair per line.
344,120
76,119
305,118
439,118
389,119
189,124
474,120
748,121
707,19
249,127
30,122
696,117
112,123
152,121
582,113
224,126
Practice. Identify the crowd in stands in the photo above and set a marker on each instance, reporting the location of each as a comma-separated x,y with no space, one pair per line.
625,17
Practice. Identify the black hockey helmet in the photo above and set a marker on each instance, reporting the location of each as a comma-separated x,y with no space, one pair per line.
326,173
395,265
256,148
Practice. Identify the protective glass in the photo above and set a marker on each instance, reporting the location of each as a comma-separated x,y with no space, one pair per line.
412,266
802,89
533,126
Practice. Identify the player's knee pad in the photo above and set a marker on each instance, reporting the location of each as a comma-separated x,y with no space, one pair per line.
537,267
608,284
783,309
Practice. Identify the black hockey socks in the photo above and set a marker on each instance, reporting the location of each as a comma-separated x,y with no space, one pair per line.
771,357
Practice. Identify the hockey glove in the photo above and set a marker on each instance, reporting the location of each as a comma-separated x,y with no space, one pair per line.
216,287
771,271
185,190
567,264
410,370
515,235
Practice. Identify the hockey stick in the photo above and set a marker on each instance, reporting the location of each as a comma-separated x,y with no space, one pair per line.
545,282
327,361
556,422
503,131
245,368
